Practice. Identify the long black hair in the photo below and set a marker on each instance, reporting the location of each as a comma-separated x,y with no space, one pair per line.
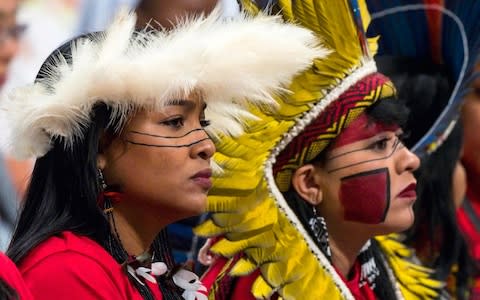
63,193
426,89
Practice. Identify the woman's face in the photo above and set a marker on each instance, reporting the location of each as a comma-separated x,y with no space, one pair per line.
471,123
161,160
367,178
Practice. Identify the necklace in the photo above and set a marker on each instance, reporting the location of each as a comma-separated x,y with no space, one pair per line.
143,265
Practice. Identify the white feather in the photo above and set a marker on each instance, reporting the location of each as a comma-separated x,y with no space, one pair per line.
233,63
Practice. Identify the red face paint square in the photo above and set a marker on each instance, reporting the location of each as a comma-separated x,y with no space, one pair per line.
366,196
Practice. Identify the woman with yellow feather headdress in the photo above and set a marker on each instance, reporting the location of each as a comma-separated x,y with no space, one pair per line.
306,189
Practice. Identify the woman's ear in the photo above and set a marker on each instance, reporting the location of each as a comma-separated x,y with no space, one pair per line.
305,182
103,143
101,161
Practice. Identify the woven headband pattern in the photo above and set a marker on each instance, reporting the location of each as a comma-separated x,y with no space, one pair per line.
328,125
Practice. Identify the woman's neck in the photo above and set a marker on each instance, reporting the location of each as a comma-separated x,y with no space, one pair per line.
135,227
345,249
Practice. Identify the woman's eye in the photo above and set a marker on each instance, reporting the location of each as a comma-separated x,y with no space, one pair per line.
403,137
176,122
205,123
381,144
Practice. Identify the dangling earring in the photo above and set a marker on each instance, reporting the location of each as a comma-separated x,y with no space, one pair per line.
319,230
103,201
369,270
101,179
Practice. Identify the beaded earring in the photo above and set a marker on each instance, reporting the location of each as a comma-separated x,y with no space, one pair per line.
318,227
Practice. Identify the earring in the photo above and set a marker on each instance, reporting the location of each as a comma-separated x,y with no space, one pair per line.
369,270
101,179
318,227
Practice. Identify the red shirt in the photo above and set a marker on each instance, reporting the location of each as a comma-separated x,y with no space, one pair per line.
75,267
10,275
353,284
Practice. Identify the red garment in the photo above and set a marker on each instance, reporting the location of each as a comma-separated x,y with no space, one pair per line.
240,288
468,218
359,293
467,223
75,267
209,277
11,276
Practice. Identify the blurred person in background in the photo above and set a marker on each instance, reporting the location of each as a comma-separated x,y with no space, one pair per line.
95,15
11,282
10,169
9,35
42,27
469,214
165,13
429,51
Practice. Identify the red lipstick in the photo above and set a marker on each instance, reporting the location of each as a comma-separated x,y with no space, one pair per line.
409,191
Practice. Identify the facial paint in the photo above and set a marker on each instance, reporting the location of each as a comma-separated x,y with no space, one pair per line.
361,128
397,144
365,196
186,140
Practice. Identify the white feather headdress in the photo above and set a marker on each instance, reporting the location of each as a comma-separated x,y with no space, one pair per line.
231,62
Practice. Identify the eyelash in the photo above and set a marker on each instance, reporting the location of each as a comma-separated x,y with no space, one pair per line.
381,144
176,122
205,123
179,122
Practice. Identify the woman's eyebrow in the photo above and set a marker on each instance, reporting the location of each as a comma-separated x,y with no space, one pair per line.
181,102
186,103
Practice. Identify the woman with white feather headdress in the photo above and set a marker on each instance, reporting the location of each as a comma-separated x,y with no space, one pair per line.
122,125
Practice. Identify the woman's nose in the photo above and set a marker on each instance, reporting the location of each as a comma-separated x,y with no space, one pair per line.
408,161
204,148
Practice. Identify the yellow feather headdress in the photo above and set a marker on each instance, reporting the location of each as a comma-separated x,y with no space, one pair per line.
248,207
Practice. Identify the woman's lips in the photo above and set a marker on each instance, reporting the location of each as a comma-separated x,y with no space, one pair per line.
203,179
409,191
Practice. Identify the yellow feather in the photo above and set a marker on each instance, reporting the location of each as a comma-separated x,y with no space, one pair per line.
261,289
415,281
244,209
243,267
